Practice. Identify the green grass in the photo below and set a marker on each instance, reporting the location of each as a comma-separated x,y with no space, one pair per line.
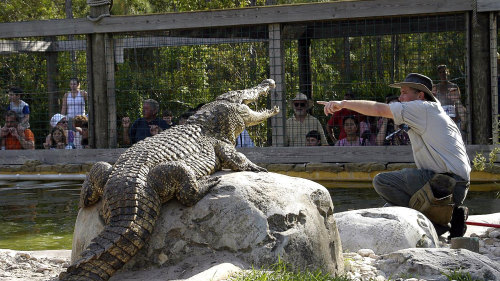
459,275
281,272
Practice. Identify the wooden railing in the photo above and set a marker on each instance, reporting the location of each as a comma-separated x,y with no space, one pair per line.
278,155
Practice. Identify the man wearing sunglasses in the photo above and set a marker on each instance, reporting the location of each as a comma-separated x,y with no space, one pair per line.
301,122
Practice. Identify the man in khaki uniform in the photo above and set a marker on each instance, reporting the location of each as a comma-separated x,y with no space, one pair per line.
440,183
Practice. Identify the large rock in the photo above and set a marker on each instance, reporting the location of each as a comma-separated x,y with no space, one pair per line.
247,219
385,230
430,264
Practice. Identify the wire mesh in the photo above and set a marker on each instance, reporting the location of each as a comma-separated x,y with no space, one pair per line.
358,59
181,69
41,68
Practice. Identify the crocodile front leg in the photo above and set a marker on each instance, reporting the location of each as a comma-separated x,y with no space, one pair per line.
93,186
234,160
179,180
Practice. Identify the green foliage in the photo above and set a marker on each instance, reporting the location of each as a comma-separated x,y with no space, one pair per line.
282,272
459,275
480,163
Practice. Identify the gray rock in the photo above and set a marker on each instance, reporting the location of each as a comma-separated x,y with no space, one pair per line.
385,230
247,219
430,264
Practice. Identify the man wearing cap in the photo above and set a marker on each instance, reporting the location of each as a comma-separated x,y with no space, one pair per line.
301,123
440,183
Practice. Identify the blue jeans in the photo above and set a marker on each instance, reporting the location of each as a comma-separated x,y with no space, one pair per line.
397,187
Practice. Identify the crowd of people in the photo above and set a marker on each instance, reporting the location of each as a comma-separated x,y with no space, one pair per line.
69,128
347,127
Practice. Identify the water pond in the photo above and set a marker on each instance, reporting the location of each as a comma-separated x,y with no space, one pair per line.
40,215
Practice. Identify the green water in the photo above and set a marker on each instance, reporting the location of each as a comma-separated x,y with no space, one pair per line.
38,215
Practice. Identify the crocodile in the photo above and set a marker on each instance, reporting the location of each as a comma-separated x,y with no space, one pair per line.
176,163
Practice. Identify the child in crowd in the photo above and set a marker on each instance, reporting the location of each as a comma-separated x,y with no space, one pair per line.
19,106
168,118
313,138
57,138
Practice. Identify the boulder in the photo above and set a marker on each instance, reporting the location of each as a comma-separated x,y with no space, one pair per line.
385,230
435,264
248,219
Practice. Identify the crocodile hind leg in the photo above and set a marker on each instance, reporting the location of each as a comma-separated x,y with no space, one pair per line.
93,186
179,180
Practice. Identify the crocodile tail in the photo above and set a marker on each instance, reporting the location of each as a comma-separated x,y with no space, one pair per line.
126,233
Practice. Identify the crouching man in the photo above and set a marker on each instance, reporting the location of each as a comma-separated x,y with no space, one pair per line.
439,185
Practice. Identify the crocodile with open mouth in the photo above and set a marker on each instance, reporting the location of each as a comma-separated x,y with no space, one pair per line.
175,163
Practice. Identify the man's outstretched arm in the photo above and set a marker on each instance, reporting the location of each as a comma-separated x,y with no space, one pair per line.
364,107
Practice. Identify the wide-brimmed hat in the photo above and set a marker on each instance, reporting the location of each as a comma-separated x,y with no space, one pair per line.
302,97
55,119
419,82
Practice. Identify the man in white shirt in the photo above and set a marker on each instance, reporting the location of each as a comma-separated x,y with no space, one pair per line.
439,152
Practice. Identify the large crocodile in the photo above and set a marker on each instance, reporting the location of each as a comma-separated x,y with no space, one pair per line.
176,162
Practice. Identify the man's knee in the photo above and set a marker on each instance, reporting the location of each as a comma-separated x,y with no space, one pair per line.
378,181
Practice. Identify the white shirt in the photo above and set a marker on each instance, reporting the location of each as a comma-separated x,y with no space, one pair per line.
76,106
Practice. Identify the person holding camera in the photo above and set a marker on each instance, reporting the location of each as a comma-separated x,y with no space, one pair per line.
15,136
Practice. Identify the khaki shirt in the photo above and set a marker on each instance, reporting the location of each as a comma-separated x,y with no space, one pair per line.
296,131
435,139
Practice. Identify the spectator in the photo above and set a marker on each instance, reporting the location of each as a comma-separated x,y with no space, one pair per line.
439,184
59,120
168,118
336,121
448,94
15,136
244,140
74,101
80,123
184,117
301,122
313,138
351,127
85,135
20,107
147,126
57,138
388,133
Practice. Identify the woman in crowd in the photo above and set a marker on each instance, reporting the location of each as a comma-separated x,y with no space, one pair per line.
57,138
351,128
73,102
